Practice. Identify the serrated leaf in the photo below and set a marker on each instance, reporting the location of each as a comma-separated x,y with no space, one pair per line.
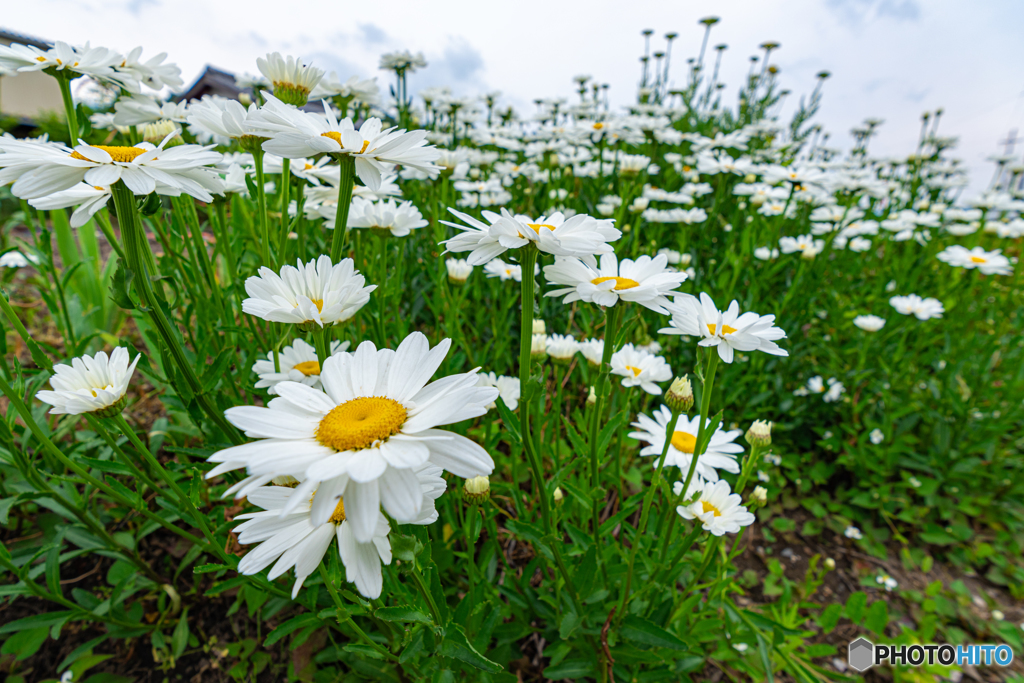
403,613
290,626
639,630
855,605
457,646
508,419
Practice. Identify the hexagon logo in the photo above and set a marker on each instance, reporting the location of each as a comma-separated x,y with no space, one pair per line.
861,654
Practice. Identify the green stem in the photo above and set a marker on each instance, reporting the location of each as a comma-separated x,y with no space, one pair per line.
33,426
670,430
323,350
286,186
261,209
351,622
705,408
64,80
131,234
613,316
347,179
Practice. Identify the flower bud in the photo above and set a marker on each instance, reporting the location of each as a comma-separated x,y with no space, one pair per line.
558,496
459,271
759,496
750,178
680,395
591,397
760,433
477,489
830,564
539,346
539,327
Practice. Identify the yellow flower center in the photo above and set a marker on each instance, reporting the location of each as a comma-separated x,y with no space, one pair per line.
307,167
117,154
708,507
620,282
978,259
598,126
338,516
360,423
635,370
309,367
336,136
726,329
319,304
684,442
537,226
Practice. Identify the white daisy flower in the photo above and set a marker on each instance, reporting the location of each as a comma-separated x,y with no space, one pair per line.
91,384
869,323
295,363
296,134
503,271
805,244
96,62
508,388
288,537
922,309
362,436
719,509
224,118
640,369
876,436
562,347
766,254
87,200
592,350
720,454
292,80
728,330
398,219
987,262
646,281
581,235
14,259
317,292
42,170
835,391
853,532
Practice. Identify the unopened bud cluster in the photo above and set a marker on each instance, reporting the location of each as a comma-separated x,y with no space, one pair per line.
477,489
759,496
680,395
760,433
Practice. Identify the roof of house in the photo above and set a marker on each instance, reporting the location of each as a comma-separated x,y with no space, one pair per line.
15,37
212,81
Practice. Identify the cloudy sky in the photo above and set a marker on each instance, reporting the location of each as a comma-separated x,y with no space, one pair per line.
891,59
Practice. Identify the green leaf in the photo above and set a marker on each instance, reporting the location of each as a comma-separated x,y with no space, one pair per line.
290,626
195,490
179,639
25,644
877,617
457,646
641,631
766,658
120,284
208,568
44,620
363,650
830,617
570,622
403,613
509,420
405,548
575,668
855,605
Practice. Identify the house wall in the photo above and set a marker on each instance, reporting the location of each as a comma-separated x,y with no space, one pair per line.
29,94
